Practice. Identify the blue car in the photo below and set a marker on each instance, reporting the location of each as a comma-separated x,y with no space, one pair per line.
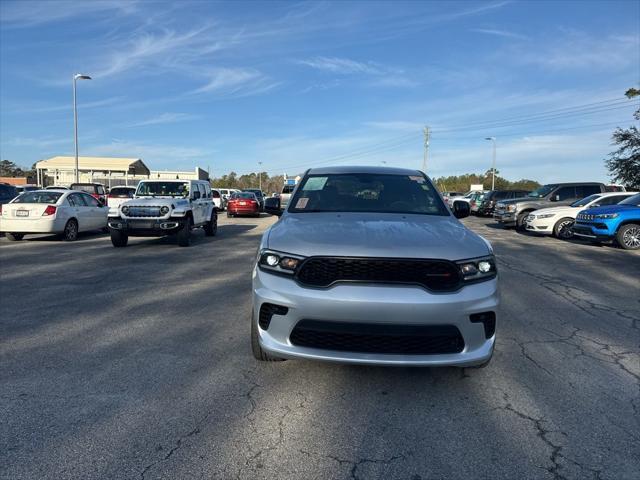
619,222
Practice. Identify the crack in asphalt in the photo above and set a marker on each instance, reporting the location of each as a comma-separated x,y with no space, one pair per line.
543,433
355,463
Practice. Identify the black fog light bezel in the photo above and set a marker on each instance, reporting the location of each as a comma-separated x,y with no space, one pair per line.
488,320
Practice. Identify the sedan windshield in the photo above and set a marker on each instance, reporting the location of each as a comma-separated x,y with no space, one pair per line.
163,189
632,201
585,201
368,192
38,197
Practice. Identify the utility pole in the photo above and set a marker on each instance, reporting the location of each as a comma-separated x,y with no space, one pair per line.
260,175
493,163
427,137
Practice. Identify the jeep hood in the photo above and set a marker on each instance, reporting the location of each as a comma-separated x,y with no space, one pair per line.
611,209
375,235
157,201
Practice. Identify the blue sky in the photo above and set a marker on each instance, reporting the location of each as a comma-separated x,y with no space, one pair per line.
298,84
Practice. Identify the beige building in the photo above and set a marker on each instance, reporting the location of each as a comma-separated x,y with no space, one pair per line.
106,170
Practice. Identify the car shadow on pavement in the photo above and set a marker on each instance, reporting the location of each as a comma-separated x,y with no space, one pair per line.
84,236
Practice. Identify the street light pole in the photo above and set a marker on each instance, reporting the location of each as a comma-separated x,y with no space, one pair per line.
493,163
260,175
76,77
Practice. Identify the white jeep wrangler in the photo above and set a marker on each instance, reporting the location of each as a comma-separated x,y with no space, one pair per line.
164,207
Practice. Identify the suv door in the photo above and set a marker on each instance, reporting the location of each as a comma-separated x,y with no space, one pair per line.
198,204
583,191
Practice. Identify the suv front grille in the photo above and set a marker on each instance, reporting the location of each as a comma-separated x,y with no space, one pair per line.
436,275
135,211
377,338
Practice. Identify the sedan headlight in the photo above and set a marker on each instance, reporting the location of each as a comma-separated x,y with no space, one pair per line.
545,215
478,269
278,262
606,216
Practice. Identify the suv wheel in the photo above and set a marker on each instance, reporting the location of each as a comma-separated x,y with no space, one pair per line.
256,349
118,238
14,237
562,228
211,227
520,226
71,230
628,236
184,234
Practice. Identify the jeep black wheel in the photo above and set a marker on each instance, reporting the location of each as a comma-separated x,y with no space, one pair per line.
184,234
211,227
562,228
256,349
628,236
14,237
118,238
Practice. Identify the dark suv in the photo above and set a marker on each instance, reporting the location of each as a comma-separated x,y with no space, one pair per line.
259,196
511,213
96,190
488,203
7,193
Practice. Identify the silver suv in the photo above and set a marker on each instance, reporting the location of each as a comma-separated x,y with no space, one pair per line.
368,265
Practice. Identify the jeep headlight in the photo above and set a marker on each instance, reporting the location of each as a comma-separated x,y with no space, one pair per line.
279,262
478,269
125,209
606,216
164,210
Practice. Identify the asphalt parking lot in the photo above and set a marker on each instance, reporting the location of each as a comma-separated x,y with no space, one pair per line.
135,364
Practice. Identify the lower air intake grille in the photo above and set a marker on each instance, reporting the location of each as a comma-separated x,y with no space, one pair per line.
376,338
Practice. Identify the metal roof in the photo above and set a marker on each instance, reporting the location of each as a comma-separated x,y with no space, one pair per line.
133,166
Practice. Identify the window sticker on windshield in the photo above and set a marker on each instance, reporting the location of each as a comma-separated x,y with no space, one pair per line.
302,202
315,183
416,178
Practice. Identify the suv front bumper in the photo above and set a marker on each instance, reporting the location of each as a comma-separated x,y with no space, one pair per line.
506,218
399,305
148,227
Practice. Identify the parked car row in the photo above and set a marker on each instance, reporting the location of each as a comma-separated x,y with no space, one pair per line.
588,210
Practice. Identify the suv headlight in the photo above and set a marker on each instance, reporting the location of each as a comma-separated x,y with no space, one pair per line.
164,210
279,262
511,208
606,216
478,269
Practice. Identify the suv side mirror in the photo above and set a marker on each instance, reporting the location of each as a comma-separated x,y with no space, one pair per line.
196,195
461,209
272,206
555,198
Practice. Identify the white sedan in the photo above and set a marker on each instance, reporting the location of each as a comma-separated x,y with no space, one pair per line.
557,221
65,212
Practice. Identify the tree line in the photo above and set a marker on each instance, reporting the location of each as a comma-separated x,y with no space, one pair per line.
462,183
250,180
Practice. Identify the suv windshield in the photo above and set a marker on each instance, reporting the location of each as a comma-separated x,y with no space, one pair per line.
543,191
368,192
585,201
163,189
633,201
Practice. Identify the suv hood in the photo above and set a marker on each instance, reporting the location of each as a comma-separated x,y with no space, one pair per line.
375,235
157,201
521,200
611,209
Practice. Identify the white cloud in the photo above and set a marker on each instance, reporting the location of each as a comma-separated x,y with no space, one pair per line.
398,125
67,107
342,66
165,118
576,50
236,82
500,33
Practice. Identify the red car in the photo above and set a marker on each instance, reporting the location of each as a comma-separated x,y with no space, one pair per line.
96,190
243,203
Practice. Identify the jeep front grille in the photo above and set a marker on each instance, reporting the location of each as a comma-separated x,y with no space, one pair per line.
135,211
435,275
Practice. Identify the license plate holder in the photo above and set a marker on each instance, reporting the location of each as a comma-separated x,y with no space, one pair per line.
22,213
